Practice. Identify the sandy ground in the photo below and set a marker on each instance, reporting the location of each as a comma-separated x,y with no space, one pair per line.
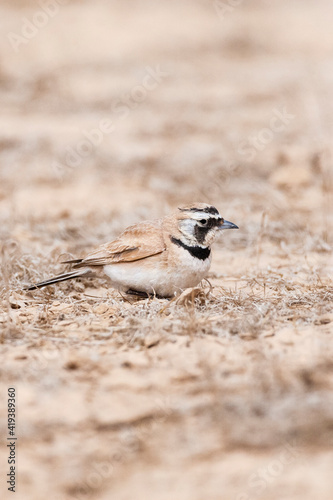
117,111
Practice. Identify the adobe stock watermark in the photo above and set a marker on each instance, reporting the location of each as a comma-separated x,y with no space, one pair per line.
31,27
222,9
257,142
266,476
93,138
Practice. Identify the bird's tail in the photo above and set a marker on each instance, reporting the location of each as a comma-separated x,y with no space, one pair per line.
61,277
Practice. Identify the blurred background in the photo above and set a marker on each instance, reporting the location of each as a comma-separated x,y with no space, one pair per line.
115,111
130,108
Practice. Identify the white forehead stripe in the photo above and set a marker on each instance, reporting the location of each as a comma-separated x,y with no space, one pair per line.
204,215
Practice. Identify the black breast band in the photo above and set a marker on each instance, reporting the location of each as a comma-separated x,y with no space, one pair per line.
198,252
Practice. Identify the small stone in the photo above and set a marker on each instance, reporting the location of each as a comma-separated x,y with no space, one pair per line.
324,320
79,287
101,309
152,340
15,301
72,364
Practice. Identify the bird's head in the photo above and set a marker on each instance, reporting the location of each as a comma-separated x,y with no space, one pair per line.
199,224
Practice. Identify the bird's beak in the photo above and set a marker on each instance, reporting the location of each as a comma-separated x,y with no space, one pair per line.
228,225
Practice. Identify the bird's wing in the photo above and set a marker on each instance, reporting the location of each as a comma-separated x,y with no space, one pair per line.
137,242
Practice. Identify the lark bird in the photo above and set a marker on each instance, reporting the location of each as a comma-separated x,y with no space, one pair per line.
160,257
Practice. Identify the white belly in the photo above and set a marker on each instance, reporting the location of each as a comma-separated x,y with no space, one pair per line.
153,275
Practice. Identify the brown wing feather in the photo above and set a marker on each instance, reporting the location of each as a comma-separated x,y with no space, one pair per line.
136,242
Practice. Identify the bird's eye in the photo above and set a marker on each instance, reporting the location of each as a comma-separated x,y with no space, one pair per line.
203,221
